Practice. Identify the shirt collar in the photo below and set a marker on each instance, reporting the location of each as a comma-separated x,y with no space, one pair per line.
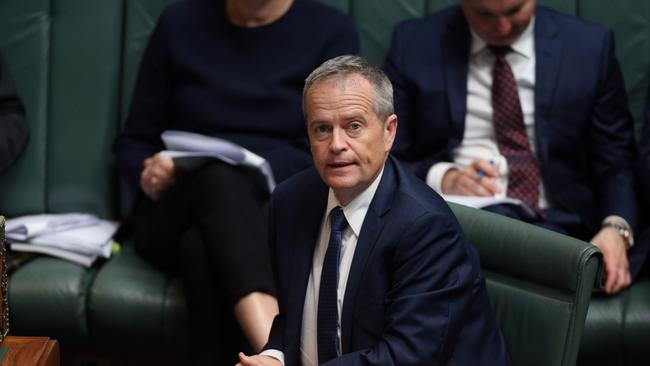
524,45
355,211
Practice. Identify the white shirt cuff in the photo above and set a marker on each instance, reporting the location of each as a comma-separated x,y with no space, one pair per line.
436,173
275,353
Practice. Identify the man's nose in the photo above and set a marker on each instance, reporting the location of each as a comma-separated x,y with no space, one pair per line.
339,140
504,26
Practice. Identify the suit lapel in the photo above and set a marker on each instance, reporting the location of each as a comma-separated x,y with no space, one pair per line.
455,53
368,238
548,55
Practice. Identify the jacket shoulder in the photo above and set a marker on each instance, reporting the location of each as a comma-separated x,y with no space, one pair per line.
568,24
299,187
433,22
418,198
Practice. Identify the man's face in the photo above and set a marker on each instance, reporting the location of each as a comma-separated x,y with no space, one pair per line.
498,22
349,143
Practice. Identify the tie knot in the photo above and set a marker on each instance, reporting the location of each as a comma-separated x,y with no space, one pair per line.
499,51
337,220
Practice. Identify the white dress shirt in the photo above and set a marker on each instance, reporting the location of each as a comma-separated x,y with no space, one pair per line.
355,213
479,140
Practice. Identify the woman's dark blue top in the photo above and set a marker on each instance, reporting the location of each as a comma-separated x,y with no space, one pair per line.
203,74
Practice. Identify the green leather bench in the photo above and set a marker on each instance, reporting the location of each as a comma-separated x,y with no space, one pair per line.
75,63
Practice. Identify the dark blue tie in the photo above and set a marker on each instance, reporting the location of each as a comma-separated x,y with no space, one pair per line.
328,344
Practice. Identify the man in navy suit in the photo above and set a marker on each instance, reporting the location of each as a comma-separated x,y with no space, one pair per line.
407,288
576,145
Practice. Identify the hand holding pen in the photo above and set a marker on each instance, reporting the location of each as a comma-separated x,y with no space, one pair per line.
477,179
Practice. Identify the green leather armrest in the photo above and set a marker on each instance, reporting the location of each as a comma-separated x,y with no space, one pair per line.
133,306
47,297
539,283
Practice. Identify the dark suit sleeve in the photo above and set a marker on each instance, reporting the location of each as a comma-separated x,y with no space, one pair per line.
612,142
638,254
436,304
149,111
644,163
14,132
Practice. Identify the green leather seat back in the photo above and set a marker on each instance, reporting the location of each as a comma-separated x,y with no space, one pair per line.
65,56
539,283
139,20
85,55
24,41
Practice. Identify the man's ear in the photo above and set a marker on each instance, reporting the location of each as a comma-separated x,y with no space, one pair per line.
390,129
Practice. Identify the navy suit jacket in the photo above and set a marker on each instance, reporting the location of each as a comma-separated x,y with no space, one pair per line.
583,127
415,294
644,180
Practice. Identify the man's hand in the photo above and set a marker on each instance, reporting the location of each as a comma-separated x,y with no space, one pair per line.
617,271
257,360
158,175
476,179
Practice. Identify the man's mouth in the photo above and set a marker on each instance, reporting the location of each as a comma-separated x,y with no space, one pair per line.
339,164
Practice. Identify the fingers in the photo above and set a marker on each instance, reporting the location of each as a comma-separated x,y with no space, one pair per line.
257,360
243,359
471,185
487,168
617,272
251,361
611,276
478,182
157,176
623,278
485,174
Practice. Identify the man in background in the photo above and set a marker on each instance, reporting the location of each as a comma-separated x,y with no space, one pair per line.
504,98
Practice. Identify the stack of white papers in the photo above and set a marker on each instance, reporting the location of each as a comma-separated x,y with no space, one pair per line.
484,201
182,144
80,238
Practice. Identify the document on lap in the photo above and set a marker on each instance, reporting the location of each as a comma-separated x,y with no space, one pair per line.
482,202
182,144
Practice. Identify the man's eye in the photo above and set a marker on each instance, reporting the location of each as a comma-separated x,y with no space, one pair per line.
514,11
354,126
321,129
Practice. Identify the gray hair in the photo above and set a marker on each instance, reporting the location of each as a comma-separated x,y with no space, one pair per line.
346,65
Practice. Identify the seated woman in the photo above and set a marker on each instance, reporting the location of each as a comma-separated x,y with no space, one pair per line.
14,132
232,69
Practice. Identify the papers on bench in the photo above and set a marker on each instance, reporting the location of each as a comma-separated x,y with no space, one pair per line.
482,202
182,144
80,238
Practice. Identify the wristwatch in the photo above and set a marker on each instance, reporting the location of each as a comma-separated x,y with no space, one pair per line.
622,228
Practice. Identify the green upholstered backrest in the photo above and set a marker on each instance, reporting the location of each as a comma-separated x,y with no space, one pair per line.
139,20
66,58
630,20
24,41
539,283
75,64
